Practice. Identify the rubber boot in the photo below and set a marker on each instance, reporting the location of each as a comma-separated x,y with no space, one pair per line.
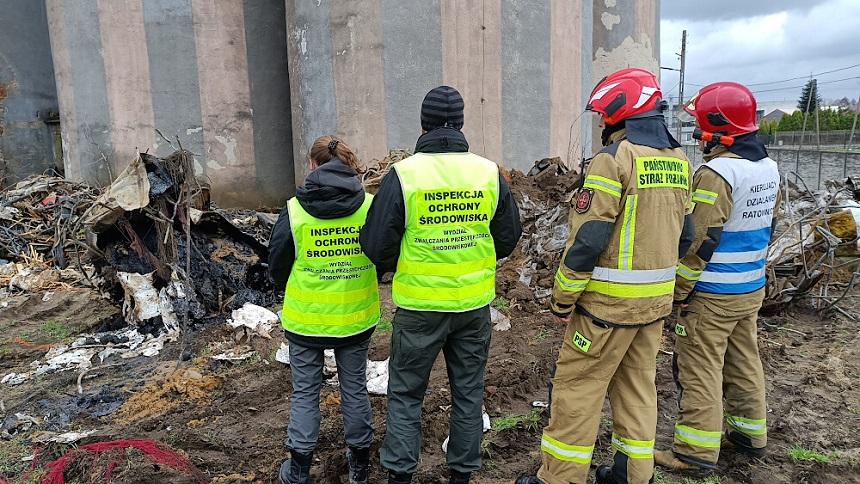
296,469
459,477
667,459
399,478
603,475
528,480
742,444
359,465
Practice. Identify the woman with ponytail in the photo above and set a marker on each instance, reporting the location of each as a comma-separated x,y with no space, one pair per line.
331,300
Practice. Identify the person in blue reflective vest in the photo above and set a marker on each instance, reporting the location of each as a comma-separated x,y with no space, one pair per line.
720,285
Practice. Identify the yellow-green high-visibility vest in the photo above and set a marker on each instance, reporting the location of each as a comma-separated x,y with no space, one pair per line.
332,289
447,256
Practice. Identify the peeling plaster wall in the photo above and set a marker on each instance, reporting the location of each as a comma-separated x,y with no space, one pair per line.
28,95
626,34
211,73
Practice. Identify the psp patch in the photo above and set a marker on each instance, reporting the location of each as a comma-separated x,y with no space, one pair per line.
581,342
583,200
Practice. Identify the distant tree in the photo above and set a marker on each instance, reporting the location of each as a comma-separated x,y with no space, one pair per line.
768,127
844,103
809,97
828,119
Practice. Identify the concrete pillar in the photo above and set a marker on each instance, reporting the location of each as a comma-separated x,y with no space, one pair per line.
626,34
211,73
360,69
28,95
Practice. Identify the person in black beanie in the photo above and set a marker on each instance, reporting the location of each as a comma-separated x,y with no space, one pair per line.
441,220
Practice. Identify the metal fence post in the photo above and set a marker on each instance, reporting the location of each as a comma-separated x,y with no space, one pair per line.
820,153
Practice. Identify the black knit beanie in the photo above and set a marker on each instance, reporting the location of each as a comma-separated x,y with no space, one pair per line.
442,106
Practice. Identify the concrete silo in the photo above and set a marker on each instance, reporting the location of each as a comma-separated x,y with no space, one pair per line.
361,69
211,72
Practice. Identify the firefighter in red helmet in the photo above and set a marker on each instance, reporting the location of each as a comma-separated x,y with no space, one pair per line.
720,285
614,286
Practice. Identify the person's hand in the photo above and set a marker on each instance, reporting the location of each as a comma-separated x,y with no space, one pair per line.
562,320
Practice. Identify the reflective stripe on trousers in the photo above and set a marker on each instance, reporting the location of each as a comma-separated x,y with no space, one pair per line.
747,426
634,449
579,454
698,438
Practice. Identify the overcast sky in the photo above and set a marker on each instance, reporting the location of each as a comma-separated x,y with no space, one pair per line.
761,41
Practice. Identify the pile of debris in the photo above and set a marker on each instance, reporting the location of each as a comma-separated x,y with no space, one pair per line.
150,241
816,252
40,216
377,169
543,196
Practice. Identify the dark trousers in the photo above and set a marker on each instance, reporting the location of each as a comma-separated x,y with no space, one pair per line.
417,338
307,367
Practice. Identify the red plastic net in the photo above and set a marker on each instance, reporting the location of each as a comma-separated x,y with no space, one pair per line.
115,452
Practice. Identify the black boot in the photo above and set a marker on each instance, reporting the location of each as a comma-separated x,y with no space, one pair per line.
399,478
604,475
359,465
297,469
459,477
528,480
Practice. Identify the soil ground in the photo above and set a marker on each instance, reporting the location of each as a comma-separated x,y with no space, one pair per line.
231,418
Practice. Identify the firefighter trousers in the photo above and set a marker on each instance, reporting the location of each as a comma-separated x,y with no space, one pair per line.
719,376
595,358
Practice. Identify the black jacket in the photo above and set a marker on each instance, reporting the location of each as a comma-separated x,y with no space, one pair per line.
382,232
331,191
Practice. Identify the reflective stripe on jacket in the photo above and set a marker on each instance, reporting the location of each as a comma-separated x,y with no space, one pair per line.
626,223
332,289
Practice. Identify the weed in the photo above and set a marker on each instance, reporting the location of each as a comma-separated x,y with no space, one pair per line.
800,454
659,477
11,453
502,304
542,335
530,421
54,331
707,480
486,445
384,325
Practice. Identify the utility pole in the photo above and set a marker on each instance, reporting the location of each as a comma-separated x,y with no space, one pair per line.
681,80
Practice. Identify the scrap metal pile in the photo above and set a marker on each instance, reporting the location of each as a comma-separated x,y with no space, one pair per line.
40,216
815,255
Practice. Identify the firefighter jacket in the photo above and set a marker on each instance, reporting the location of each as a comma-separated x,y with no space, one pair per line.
734,200
626,226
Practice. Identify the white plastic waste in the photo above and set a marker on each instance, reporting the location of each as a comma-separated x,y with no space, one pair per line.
256,319
500,321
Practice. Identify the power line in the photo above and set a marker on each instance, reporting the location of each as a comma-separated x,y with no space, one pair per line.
807,76
800,87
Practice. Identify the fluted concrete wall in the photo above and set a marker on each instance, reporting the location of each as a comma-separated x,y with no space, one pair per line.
211,72
361,68
28,96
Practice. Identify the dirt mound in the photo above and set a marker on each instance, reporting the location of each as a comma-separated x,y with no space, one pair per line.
165,394
543,197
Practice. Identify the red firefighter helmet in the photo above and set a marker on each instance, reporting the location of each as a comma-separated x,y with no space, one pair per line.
724,107
625,94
